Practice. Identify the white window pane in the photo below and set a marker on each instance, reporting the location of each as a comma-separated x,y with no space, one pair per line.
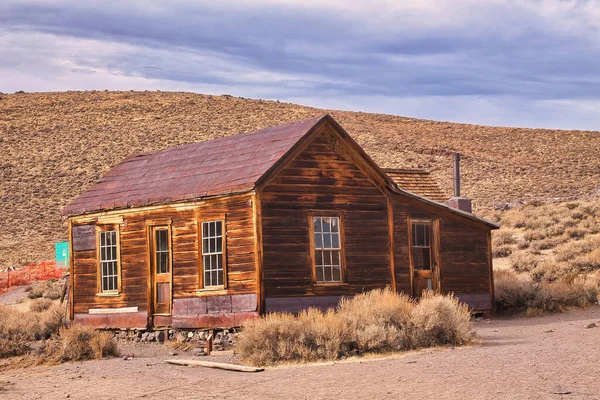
327,277
319,258
335,258
335,240
318,241
326,241
319,274
335,224
326,224
317,224
337,273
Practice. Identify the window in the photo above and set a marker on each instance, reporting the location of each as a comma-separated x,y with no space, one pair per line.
212,253
109,272
162,251
327,249
421,245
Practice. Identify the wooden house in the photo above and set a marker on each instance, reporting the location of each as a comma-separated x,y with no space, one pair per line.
280,219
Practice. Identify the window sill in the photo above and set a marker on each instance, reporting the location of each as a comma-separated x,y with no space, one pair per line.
330,284
211,289
108,294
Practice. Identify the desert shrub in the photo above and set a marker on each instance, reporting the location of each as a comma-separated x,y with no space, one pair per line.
523,244
523,262
39,305
512,292
51,321
50,289
503,237
377,317
531,236
576,232
592,224
514,218
553,231
18,329
550,271
81,342
569,223
578,215
559,296
36,291
571,206
570,250
538,222
53,290
13,347
590,209
548,243
587,262
502,251
376,321
438,320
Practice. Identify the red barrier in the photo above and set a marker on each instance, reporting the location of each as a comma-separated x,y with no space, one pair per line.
30,273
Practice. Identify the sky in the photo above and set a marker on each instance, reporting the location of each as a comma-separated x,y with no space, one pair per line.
508,63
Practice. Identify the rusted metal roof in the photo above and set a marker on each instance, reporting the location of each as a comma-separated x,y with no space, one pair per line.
418,182
215,167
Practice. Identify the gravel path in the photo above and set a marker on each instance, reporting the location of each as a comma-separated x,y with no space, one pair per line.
554,357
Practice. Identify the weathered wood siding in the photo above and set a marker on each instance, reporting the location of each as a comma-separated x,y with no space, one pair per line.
240,254
464,267
322,177
464,252
402,252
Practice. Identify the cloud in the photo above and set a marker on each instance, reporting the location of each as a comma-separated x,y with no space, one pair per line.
487,61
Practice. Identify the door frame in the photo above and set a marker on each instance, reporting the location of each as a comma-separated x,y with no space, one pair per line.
434,245
152,227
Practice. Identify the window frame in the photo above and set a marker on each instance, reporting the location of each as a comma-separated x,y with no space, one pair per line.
201,284
119,289
155,251
312,248
429,224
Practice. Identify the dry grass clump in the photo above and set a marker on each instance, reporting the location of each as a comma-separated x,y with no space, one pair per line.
512,292
518,293
18,330
81,342
503,237
502,251
44,331
571,250
554,242
39,305
50,289
514,218
524,261
548,243
376,321
559,296
439,320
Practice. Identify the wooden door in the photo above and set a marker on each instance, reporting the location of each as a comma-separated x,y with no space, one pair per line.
424,256
161,270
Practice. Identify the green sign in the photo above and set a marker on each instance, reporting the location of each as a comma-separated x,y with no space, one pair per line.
62,254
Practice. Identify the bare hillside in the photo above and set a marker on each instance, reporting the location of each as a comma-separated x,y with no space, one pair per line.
54,145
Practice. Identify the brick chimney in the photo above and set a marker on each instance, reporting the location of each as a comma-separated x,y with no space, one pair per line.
457,201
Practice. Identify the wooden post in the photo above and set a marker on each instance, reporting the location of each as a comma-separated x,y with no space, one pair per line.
209,343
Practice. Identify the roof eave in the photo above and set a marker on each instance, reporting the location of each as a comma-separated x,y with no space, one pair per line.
446,207
156,203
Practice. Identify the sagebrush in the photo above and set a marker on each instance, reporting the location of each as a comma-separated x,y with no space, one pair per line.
42,336
372,322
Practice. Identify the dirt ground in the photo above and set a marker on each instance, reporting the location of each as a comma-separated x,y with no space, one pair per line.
517,358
